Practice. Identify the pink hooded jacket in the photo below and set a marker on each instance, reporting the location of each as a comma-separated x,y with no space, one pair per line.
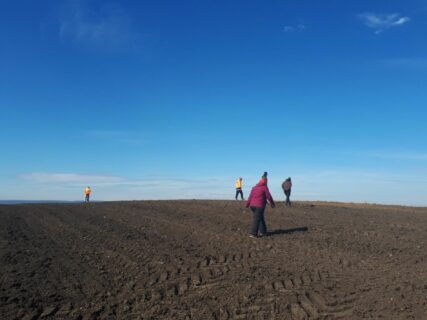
259,196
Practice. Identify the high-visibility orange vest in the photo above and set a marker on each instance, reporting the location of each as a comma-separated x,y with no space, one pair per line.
238,184
87,191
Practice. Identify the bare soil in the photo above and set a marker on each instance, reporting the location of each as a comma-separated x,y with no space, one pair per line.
194,260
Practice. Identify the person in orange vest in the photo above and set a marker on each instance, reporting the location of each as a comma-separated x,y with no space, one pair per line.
239,188
87,193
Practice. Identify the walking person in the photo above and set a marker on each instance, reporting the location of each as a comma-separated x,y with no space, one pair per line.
287,186
87,193
258,198
239,188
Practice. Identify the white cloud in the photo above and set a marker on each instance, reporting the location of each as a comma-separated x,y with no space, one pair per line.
294,28
380,22
107,26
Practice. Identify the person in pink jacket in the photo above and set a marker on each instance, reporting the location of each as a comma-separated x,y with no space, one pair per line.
258,198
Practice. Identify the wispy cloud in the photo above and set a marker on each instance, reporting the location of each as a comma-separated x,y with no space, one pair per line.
356,186
294,28
406,63
414,156
329,185
380,21
107,26
71,178
116,188
119,136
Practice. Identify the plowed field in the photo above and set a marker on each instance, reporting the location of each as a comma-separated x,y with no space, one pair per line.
194,260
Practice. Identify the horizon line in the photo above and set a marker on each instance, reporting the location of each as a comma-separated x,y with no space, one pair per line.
18,202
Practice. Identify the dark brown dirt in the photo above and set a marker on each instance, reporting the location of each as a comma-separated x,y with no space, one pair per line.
194,260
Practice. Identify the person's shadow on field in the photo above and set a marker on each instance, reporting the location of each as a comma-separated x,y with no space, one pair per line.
286,231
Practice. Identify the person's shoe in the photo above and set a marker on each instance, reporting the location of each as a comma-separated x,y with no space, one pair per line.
252,236
262,235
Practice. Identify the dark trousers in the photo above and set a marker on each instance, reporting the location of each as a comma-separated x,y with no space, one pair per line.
288,194
87,198
258,222
239,191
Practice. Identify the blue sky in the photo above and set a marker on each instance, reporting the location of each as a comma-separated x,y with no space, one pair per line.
167,99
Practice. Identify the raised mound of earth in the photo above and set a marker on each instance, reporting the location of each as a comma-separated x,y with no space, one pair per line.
194,260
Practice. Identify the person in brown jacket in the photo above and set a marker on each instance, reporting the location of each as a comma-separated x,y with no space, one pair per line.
287,186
